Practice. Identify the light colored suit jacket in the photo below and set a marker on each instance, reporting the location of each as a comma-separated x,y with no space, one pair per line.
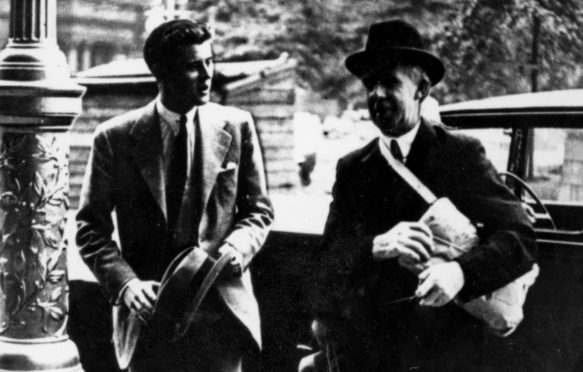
226,186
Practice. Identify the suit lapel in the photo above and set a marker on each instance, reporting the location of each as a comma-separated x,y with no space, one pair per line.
378,181
423,155
214,142
147,153
376,170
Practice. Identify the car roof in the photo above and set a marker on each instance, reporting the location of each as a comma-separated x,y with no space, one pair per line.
561,108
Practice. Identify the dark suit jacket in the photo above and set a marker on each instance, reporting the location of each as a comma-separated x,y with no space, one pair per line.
226,186
353,293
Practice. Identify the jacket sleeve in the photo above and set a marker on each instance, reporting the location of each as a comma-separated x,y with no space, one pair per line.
254,215
94,220
507,247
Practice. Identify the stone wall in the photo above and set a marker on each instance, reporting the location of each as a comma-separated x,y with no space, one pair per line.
93,32
271,99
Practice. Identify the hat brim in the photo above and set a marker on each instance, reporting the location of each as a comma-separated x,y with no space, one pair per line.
365,63
181,281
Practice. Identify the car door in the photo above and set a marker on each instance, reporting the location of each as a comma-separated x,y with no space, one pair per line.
545,163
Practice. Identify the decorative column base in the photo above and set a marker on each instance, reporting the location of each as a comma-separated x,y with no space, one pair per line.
49,355
38,104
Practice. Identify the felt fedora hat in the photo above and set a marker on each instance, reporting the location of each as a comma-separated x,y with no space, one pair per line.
394,42
185,284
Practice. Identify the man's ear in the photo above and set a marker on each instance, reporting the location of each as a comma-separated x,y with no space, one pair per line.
422,89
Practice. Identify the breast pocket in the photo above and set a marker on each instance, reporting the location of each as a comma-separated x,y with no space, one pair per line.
227,181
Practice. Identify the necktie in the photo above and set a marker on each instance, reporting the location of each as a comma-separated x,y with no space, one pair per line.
396,150
177,176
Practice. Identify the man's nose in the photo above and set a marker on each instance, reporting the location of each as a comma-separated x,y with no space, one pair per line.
378,91
206,71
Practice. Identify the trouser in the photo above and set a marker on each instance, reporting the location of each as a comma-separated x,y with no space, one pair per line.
215,342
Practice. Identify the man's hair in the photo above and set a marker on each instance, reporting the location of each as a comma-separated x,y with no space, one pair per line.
167,39
415,72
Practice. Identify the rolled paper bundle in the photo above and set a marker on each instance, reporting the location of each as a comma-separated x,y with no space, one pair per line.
453,235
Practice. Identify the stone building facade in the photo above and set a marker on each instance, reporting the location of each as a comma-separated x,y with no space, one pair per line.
90,32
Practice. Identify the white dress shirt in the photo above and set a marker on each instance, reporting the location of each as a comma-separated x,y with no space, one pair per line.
405,141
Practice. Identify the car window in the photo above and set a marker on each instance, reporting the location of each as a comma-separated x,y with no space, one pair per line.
556,173
556,170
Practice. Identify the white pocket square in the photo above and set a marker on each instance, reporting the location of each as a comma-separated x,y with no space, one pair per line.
230,165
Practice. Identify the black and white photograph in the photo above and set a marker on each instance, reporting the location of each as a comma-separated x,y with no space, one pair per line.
291,186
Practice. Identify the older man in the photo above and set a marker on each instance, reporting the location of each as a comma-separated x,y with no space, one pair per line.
179,173
377,314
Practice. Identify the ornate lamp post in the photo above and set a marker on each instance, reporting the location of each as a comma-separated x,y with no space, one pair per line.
38,104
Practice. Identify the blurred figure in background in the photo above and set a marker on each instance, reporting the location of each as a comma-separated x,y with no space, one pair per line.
307,139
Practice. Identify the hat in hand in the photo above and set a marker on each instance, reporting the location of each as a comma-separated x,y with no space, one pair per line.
185,284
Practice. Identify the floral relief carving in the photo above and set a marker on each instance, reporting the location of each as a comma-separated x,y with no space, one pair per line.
34,186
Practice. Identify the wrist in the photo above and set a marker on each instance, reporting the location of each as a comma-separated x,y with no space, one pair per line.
123,290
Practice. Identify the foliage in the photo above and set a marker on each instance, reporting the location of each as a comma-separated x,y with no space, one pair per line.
485,44
488,46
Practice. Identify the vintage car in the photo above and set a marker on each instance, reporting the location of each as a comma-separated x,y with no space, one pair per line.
534,140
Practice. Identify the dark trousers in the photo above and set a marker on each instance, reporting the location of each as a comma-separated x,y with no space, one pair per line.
215,342
421,340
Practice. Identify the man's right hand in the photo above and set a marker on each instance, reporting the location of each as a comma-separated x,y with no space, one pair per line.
140,296
412,240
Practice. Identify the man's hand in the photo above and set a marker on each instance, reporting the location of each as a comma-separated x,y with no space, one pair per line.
235,267
440,283
412,240
140,296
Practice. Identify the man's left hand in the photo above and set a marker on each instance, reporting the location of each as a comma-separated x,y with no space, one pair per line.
235,267
440,283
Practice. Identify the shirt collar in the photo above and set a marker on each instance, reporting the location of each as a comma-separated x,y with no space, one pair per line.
405,141
171,118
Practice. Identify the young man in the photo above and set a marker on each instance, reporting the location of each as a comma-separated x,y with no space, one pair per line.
179,172
362,289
